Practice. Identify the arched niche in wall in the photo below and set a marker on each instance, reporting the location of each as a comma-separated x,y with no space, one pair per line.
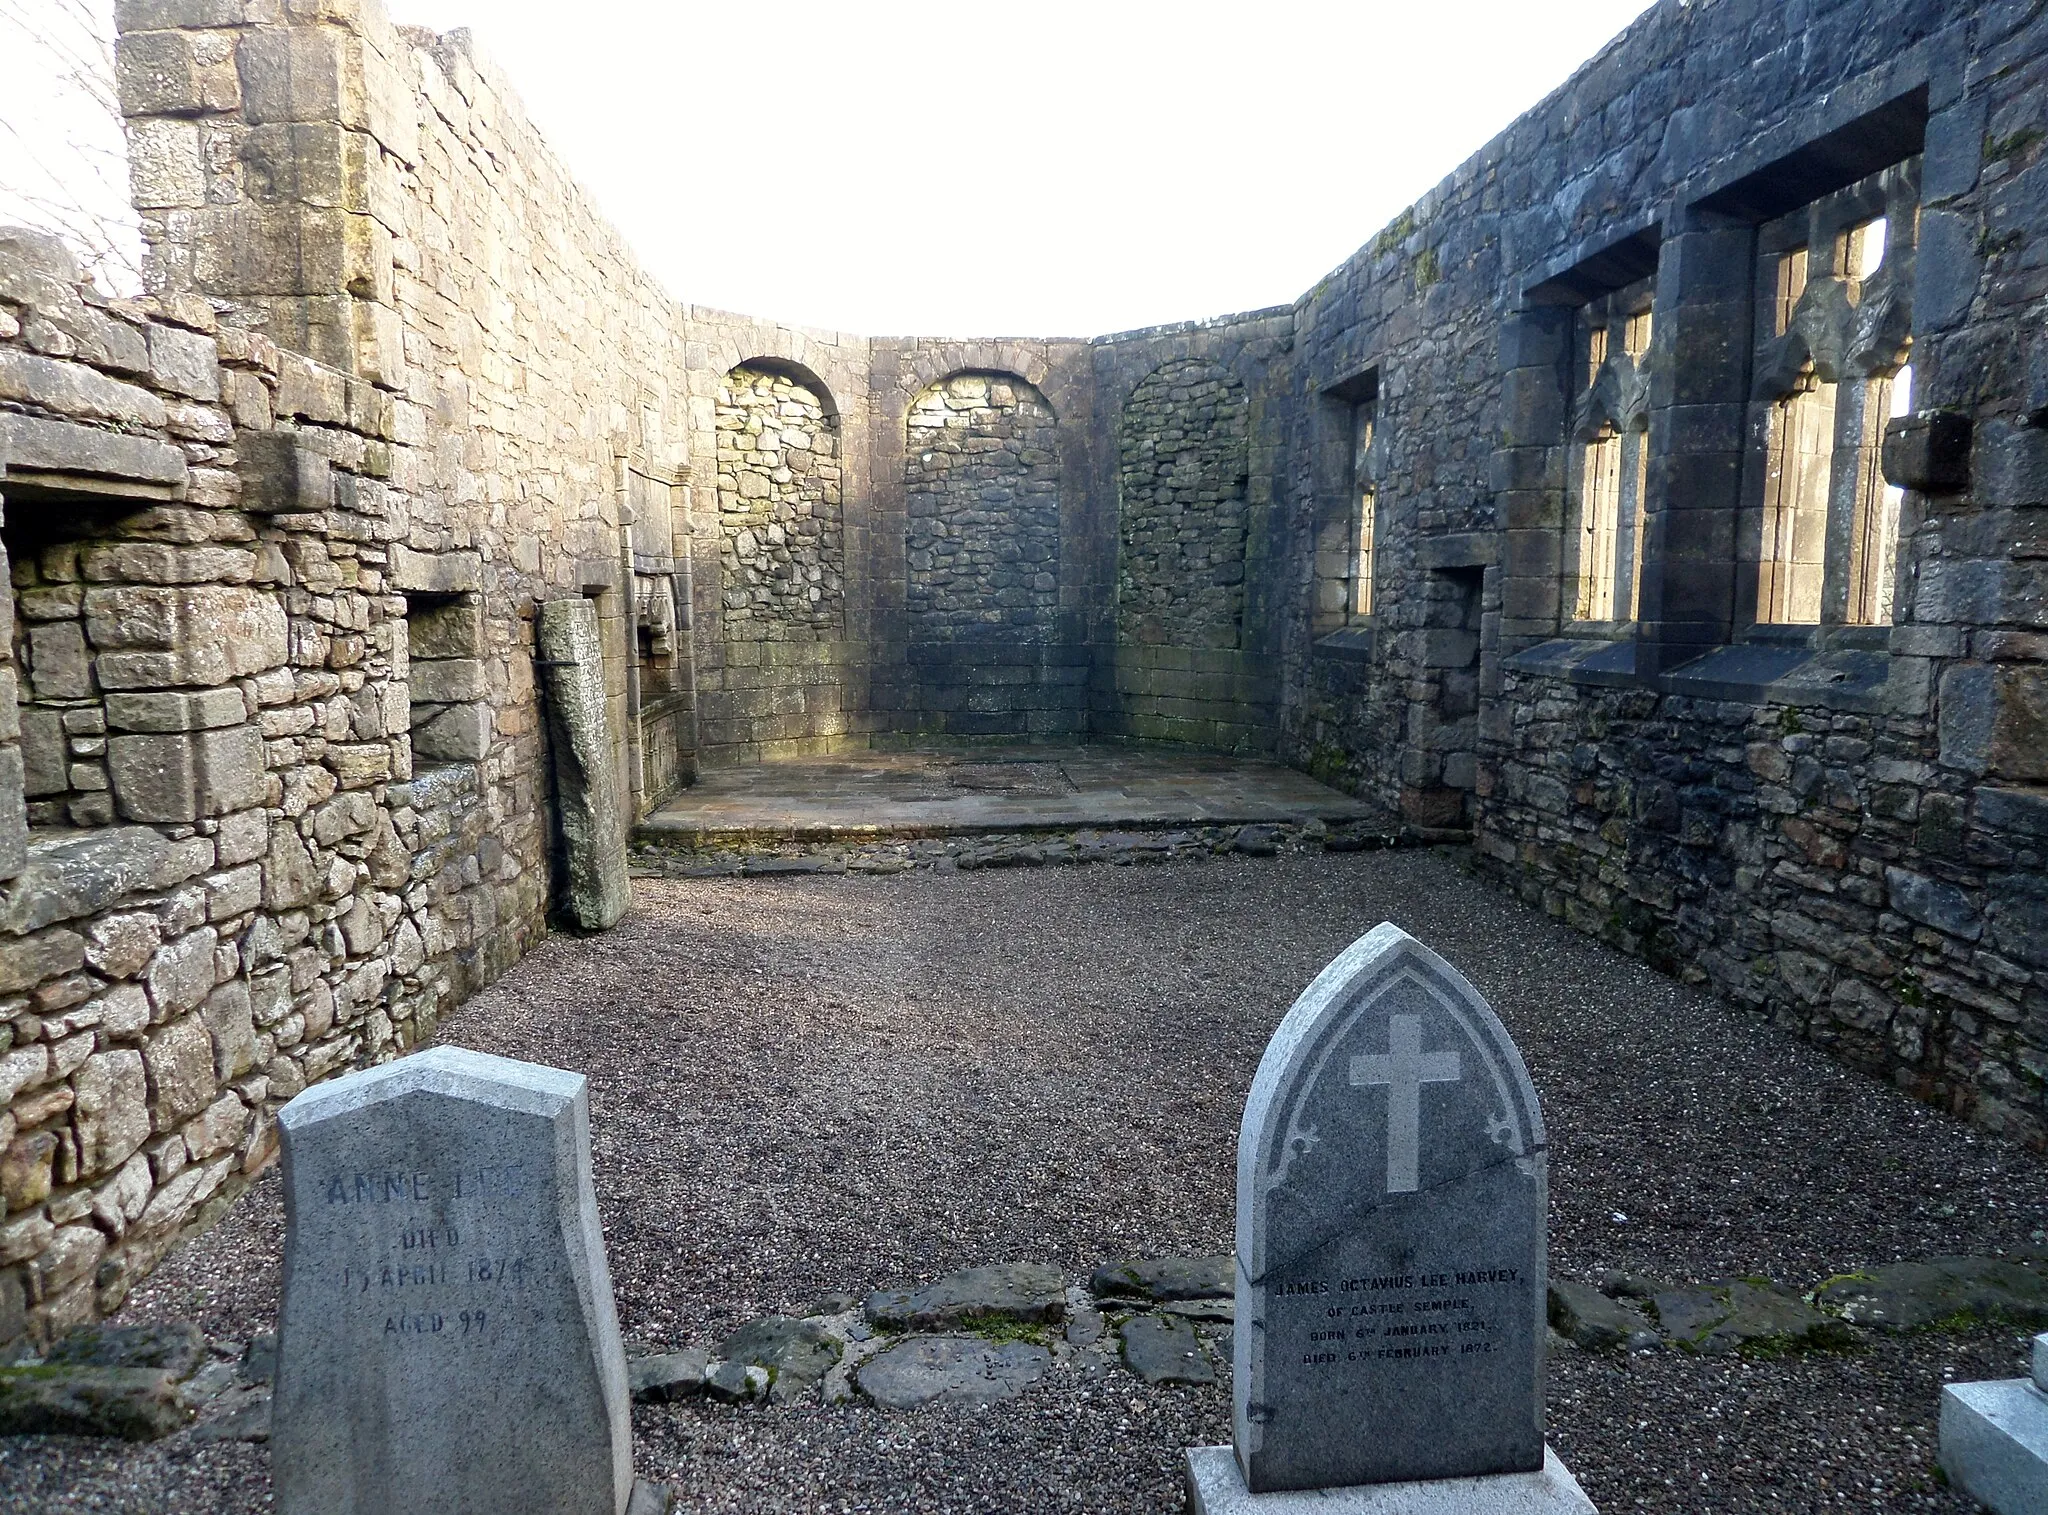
1183,449
981,477
782,537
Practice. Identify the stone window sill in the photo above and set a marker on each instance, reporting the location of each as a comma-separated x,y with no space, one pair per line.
1604,661
1353,644
1844,678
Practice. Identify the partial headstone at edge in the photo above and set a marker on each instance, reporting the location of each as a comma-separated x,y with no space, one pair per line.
448,1339
1391,1253
586,792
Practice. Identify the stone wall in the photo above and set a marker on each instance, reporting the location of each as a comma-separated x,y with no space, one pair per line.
1183,448
233,881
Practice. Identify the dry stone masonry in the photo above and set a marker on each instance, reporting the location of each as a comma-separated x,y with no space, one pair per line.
983,481
782,564
275,789
1182,509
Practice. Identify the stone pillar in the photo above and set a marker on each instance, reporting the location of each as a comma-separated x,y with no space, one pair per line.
586,796
1698,404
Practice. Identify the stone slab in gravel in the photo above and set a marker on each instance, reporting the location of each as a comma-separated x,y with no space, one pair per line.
667,1376
134,1404
1159,1279
797,1353
1587,1318
1163,1349
1910,1296
1029,1292
951,1370
1733,1315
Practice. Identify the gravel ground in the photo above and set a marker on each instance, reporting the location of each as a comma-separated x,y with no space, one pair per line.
810,1085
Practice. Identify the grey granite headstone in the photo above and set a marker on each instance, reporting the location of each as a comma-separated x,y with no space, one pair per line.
586,791
448,1340
1391,1210
1994,1439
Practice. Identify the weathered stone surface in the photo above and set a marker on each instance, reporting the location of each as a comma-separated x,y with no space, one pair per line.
586,798
1183,469
1392,1169
1737,1315
951,1370
1164,1349
796,1353
1165,1278
1588,1318
1912,1296
782,559
443,1260
135,1404
1014,1291
1215,1486
1994,1443
187,776
176,1347
668,1376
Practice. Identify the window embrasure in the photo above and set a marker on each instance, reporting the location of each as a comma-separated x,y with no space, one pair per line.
1834,340
1609,473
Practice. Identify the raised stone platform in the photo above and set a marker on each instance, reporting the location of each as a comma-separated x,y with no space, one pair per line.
959,790
1216,1487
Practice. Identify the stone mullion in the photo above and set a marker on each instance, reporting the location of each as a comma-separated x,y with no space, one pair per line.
1529,474
1698,409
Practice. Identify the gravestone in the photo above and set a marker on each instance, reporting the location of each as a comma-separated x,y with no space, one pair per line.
1392,1199
1994,1439
447,1340
593,828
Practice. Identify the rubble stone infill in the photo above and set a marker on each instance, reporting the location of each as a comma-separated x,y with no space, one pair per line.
755,858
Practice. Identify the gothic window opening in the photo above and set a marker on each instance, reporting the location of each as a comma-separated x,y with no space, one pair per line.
1609,480
1798,476
1833,342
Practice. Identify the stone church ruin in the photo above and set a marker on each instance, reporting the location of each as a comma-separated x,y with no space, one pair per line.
1660,504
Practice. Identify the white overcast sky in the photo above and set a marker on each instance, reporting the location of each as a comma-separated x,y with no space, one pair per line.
1027,167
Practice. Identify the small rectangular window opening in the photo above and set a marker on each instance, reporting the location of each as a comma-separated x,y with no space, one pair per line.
1635,339
1863,254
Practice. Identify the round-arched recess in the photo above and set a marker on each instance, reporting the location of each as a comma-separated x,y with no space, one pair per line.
782,542
981,476
1183,444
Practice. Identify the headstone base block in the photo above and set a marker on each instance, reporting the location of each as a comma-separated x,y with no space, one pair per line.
1216,1487
1994,1443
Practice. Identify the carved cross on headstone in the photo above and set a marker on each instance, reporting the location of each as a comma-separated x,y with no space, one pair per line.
1404,1069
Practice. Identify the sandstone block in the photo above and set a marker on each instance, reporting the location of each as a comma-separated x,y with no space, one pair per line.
174,73
206,710
119,945
289,877
35,445
184,776
592,824
26,962
229,1019
171,15
73,389
181,974
45,757
112,1114
446,681
414,572
218,1128
184,363
25,1170
280,473
60,668
165,171
181,1072
304,73
156,636
457,734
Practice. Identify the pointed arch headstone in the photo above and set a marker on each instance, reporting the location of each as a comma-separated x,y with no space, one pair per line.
1391,1239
